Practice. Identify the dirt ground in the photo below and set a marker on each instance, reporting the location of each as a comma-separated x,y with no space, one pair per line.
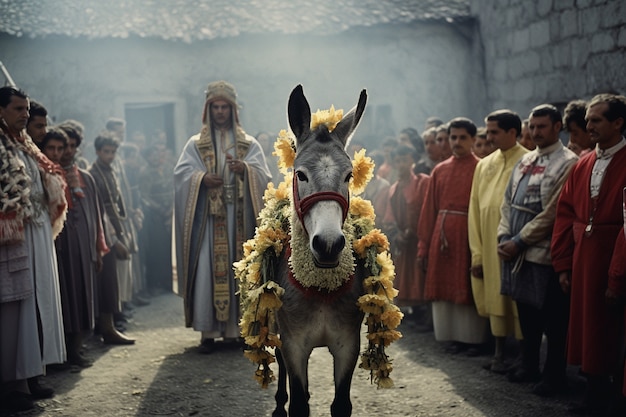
164,375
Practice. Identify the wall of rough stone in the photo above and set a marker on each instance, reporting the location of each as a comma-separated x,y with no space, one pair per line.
411,72
551,50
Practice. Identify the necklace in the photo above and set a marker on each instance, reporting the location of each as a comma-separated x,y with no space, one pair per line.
118,205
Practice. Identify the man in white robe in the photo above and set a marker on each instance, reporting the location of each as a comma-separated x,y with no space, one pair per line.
32,211
219,182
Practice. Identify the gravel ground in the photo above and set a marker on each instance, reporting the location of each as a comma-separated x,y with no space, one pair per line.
164,375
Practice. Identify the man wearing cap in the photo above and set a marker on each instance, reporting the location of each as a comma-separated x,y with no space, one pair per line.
219,181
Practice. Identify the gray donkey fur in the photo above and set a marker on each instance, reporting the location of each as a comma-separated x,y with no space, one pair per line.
304,321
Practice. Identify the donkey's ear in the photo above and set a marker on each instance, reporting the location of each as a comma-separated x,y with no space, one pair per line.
346,127
299,113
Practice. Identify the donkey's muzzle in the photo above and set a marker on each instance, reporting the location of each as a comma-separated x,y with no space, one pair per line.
326,250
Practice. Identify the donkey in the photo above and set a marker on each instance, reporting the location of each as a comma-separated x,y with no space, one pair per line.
310,318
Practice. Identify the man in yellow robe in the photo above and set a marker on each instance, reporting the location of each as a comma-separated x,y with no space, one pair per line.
490,180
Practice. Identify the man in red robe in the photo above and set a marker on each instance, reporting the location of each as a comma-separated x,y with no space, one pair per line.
444,252
400,224
588,222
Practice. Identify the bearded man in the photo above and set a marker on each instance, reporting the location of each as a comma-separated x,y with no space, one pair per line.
219,182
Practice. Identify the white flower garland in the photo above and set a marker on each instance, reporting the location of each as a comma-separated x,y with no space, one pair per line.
303,266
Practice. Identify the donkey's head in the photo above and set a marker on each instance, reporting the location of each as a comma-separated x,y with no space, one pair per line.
322,172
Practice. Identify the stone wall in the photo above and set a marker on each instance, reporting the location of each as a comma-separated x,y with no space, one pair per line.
551,50
411,72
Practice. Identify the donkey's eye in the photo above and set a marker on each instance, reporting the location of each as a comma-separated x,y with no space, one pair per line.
348,177
301,176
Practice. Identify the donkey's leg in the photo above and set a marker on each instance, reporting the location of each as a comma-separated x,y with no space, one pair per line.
297,358
281,392
345,355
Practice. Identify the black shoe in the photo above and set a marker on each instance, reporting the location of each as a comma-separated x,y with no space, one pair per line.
523,375
16,401
548,388
120,318
39,391
79,361
455,348
206,347
497,365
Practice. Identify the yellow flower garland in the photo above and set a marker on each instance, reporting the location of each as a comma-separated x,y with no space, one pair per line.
260,296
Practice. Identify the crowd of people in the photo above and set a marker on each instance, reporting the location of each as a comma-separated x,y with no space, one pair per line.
81,245
499,233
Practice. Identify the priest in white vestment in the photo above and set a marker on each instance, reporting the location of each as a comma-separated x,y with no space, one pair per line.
219,183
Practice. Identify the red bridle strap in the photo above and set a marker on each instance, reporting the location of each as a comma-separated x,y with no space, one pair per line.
302,207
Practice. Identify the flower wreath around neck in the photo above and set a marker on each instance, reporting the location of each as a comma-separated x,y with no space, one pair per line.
261,296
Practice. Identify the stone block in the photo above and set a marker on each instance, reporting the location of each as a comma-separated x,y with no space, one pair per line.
583,4
523,88
540,33
547,62
561,54
581,48
563,4
621,37
614,14
541,89
602,41
568,23
500,70
555,27
521,40
544,7
590,19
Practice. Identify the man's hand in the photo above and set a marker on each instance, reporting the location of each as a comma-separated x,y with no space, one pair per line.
477,271
565,280
99,263
212,180
235,165
507,250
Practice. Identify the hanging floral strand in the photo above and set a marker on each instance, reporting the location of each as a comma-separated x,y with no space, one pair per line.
261,297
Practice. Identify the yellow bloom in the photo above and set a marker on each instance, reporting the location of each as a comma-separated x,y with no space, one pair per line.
269,193
391,317
248,247
384,337
362,172
270,237
362,208
372,303
329,118
258,355
374,238
254,272
285,150
385,382
284,190
384,260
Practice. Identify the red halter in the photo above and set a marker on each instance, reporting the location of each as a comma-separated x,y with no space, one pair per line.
302,207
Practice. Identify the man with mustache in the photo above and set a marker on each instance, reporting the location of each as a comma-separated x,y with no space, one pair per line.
525,230
588,222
